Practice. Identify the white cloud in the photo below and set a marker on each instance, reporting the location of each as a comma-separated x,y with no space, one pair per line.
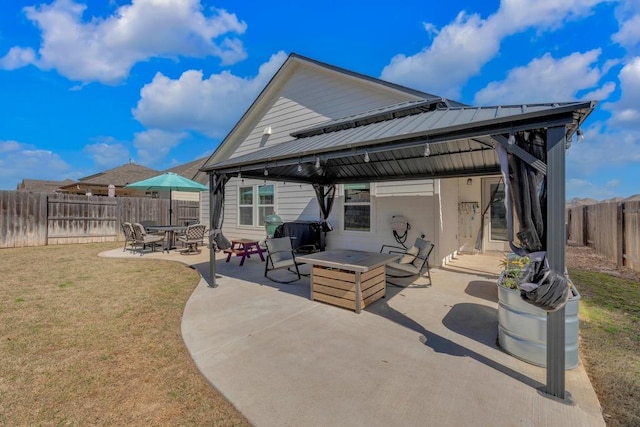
462,47
19,161
456,53
600,93
587,189
105,49
629,34
108,153
546,80
602,148
210,106
626,111
17,58
153,145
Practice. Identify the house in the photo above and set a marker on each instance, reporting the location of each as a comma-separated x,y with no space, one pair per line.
325,143
390,151
43,186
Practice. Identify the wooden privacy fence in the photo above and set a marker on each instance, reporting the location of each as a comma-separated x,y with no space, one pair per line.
612,229
37,219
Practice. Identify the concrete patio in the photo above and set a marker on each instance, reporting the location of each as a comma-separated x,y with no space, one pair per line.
421,356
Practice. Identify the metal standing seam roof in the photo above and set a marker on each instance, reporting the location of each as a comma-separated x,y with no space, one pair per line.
460,139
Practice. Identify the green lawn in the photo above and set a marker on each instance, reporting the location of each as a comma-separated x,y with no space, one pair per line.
610,342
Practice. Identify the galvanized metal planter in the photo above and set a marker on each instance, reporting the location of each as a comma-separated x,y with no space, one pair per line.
522,327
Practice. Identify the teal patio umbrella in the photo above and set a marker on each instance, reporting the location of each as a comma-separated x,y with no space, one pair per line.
168,181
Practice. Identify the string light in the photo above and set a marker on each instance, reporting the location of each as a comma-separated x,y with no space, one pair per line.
299,166
266,171
427,150
318,162
512,138
366,156
239,174
580,135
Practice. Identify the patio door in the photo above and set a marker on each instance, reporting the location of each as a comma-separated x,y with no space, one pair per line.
496,237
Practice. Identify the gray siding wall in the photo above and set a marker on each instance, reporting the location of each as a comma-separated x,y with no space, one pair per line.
310,97
421,187
293,202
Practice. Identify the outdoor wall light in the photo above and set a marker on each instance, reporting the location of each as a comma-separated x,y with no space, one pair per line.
427,150
366,156
469,181
267,131
318,162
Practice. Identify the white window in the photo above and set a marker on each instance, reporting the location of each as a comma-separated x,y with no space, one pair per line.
357,207
255,203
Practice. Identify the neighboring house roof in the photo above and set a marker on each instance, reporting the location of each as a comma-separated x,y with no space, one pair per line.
121,175
190,170
44,186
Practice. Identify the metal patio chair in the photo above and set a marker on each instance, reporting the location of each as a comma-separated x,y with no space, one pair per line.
129,236
192,236
142,239
280,255
414,261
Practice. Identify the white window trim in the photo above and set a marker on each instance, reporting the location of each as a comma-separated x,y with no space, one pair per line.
372,210
255,205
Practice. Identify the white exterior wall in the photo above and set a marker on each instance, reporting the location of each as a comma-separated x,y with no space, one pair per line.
447,224
414,200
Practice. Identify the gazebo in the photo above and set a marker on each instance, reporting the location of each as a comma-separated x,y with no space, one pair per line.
433,139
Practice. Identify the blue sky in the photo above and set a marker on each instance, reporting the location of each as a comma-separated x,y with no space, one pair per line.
87,86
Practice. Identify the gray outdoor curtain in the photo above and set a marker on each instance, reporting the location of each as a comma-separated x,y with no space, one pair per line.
217,241
525,190
325,195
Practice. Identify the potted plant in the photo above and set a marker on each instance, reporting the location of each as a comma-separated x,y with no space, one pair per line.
512,270
522,327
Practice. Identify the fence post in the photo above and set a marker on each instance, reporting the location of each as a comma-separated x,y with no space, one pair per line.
585,226
620,235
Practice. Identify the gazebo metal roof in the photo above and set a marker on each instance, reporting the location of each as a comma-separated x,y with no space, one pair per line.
461,142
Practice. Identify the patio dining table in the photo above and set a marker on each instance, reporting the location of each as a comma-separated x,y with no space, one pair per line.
348,278
170,234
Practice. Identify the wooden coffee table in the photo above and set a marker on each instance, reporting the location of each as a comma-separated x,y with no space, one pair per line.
348,278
